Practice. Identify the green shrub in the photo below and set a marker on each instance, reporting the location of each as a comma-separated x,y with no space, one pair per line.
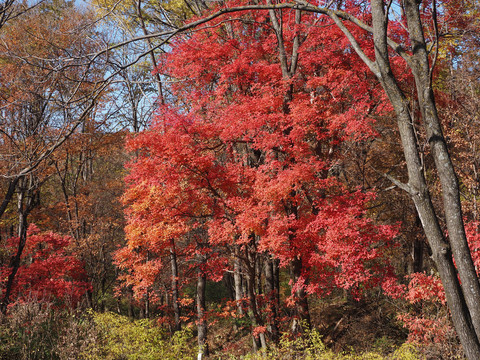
120,338
406,352
36,331
310,347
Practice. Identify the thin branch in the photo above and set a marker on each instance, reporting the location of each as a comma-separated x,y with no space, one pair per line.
299,5
435,26
405,187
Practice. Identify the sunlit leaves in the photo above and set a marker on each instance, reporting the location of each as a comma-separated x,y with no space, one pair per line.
49,271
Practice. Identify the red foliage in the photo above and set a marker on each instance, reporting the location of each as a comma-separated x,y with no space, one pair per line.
428,320
235,162
48,271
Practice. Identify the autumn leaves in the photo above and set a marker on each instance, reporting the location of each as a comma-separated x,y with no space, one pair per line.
238,172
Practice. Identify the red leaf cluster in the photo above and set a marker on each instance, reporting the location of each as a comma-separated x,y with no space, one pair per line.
48,271
246,157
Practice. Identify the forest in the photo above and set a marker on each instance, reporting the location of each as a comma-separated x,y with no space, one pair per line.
239,179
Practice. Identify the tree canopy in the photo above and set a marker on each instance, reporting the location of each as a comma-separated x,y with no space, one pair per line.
284,154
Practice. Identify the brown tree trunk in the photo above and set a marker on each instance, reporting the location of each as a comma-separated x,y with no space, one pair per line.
417,249
12,185
146,312
158,79
15,262
258,341
26,202
175,297
417,256
302,313
463,302
271,296
446,173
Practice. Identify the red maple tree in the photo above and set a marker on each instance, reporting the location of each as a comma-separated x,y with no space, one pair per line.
48,271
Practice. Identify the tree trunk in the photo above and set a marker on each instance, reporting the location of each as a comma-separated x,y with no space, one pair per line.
229,284
26,203
201,316
446,173
12,185
271,296
276,280
417,249
417,256
258,273
258,341
15,262
302,314
237,278
463,305
130,297
158,79
146,314
175,298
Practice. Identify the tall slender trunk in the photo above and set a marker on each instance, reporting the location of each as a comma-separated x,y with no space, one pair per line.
417,249
289,69
259,341
271,296
12,185
158,79
15,262
259,273
26,203
462,299
237,278
417,256
276,280
302,313
146,313
202,325
446,172
175,297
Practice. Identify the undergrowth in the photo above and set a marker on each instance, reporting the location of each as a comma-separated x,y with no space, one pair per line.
311,347
36,331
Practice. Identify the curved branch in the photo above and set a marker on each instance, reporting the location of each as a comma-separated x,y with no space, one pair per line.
298,5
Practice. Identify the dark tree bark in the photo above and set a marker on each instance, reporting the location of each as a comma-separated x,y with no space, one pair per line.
158,80
257,320
146,313
271,296
302,313
462,299
289,68
417,249
446,172
229,284
417,256
27,200
12,185
175,297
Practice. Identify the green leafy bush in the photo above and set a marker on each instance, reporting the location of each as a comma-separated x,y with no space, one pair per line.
120,338
310,347
36,331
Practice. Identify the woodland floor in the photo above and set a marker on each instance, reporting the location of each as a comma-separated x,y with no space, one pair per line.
346,327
